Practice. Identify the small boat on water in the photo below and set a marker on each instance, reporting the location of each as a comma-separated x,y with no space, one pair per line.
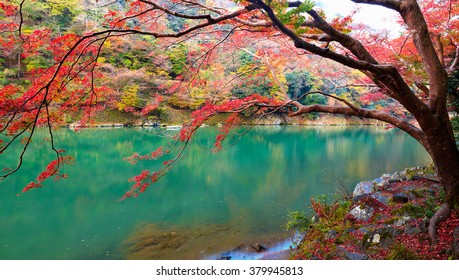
173,127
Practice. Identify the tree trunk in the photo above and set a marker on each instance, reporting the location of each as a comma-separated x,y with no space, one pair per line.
445,156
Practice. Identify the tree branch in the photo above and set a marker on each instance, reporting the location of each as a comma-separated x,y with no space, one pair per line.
413,17
347,41
255,23
387,76
370,114
455,63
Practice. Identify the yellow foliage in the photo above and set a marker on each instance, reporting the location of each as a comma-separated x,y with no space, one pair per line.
197,93
101,59
129,97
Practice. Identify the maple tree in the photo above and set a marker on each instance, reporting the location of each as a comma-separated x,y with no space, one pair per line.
409,72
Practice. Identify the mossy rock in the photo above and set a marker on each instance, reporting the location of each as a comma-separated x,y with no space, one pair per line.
382,238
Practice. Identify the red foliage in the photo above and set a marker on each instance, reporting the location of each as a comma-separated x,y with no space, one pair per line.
230,122
9,9
52,170
235,107
420,245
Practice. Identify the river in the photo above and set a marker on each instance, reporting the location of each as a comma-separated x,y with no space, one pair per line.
208,204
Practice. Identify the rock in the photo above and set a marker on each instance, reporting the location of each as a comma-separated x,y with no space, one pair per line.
402,221
391,181
383,198
353,256
409,188
362,214
364,230
315,219
365,187
380,197
382,237
400,198
331,234
152,124
396,177
350,230
258,247
383,181
412,230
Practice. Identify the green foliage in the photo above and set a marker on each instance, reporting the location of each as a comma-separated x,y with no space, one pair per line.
6,74
453,90
133,59
253,76
306,6
178,59
399,252
245,58
293,16
54,14
301,82
252,86
455,124
326,232
331,215
426,209
176,24
297,220
37,62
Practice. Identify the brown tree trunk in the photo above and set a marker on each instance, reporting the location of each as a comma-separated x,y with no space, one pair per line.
445,156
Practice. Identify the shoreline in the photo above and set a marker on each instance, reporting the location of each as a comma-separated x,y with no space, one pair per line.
176,127
178,118
270,250
376,234
384,219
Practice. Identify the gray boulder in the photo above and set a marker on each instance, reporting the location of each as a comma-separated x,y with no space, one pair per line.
365,187
362,214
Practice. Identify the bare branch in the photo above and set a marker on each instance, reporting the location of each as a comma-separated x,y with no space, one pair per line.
455,63
318,37
21,20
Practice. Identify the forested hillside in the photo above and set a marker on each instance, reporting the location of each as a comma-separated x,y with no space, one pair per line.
145,78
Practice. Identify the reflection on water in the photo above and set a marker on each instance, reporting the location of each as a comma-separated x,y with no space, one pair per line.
209,203
153,241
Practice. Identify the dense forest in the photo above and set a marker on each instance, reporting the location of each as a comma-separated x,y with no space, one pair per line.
145,78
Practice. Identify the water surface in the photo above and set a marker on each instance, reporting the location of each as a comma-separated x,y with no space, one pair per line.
208,204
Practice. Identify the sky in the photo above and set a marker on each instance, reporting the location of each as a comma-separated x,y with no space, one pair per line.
374,16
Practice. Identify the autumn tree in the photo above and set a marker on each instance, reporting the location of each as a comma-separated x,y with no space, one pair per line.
410,71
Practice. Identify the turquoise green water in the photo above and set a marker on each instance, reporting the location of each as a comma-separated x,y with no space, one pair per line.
208,204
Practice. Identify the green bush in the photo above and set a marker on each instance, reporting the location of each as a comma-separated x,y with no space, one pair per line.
297,220
400,252
455,124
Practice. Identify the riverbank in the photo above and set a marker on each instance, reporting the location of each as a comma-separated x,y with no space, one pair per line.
383,219
174,117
